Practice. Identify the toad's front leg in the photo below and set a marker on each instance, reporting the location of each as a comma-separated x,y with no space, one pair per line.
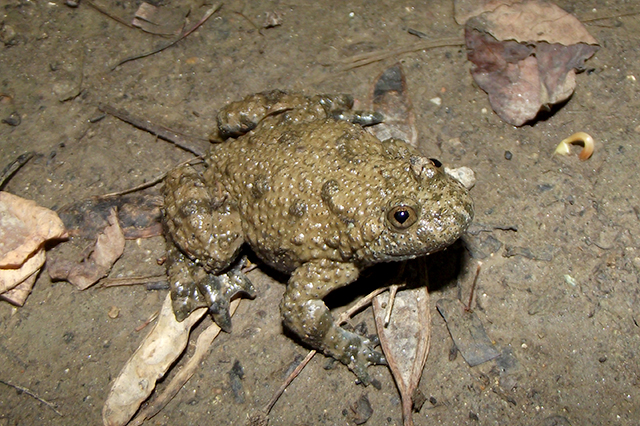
204,235
305,313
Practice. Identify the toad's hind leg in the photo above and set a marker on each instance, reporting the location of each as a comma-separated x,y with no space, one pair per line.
204,236
305,313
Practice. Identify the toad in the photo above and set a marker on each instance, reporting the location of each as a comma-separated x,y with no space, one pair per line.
314,195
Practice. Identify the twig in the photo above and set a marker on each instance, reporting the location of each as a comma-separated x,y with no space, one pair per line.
108,15
148,321
206,16
13,167
467,308
121,282
392,297
371,57
344,317
33,395
152,182
175,138
601,18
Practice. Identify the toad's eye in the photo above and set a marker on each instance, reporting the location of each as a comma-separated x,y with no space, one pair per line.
402,217
435,162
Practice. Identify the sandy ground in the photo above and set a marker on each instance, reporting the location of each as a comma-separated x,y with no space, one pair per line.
559,296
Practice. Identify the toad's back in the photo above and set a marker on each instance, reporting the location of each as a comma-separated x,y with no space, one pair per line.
320,189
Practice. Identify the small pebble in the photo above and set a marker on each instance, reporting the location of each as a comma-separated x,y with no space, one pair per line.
114,312
508,155
13,119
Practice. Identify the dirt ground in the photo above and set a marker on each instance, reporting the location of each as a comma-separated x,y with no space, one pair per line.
559,238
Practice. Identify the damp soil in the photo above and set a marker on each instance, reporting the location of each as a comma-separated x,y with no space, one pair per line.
558,238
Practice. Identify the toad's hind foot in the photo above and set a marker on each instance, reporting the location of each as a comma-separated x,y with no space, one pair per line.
305,314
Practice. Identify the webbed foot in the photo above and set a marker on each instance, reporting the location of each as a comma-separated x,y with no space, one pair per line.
218,290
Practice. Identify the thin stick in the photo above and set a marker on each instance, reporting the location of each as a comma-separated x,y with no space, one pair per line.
33,395
162,132
13,167
108,15
371,57
392,297
473,288
206,16
148,321
344,317
153,181
121,282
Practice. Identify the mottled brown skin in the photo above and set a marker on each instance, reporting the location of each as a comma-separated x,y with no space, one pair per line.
314,196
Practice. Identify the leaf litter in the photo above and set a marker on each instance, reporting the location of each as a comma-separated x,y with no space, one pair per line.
405,337
24,229
525,55
108,248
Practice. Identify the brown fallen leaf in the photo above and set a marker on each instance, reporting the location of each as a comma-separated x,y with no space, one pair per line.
391,98
533,21
107,250
157,352
139,215
526,56
24,228
405,340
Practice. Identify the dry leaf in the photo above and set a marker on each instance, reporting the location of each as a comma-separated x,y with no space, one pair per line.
24,227
526,56
160,20
467,332
107,250
391,98
162,346
18,294
531,22
138,214
203,344
405,341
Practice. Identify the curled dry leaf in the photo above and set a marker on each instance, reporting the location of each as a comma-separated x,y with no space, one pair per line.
24,227
526,56
164,344
391,98
107,250
405,340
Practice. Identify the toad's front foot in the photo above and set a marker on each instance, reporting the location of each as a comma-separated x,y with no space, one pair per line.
218,290
192,287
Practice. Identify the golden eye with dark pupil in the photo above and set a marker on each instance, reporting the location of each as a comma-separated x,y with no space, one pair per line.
402,217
